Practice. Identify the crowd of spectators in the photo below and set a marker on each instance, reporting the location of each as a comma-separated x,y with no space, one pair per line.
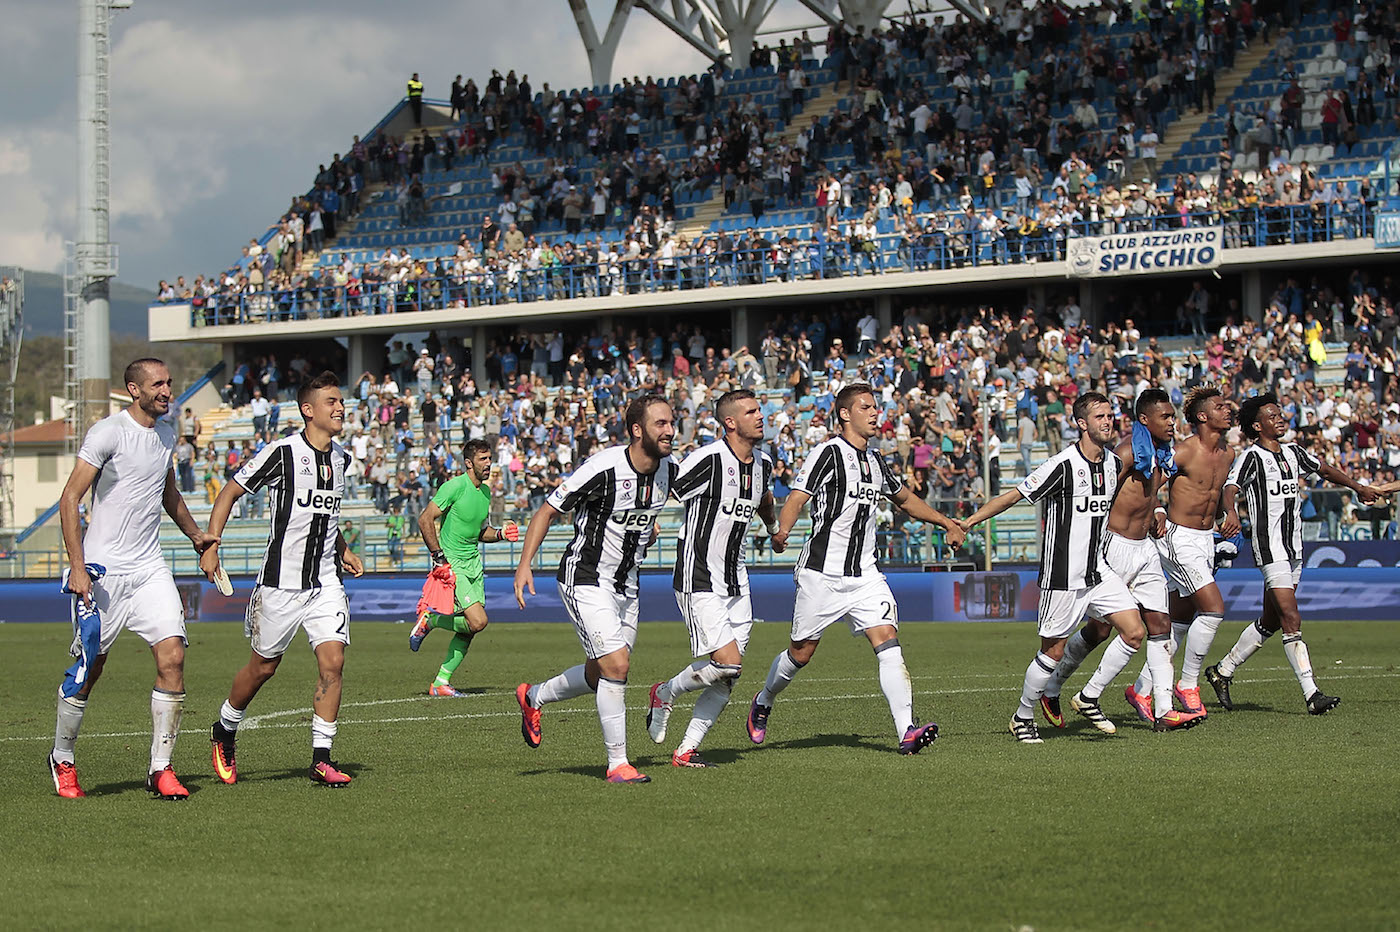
547,400
987,178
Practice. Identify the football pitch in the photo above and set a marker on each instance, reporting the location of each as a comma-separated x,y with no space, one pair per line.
1261,818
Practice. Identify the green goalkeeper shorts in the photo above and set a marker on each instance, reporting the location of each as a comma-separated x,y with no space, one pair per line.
471,590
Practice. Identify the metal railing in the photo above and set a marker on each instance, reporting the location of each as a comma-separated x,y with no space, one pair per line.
927,250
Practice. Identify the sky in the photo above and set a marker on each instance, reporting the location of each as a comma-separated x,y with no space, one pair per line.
221,112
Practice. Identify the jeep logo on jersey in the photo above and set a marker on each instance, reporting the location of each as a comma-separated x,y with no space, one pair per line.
1288,488
323,503
1097,505
739,509
864,492
634,519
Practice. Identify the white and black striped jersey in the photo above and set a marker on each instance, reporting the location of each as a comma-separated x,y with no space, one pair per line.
1076,495
305,486
845,485
721,494
614,509
1272,483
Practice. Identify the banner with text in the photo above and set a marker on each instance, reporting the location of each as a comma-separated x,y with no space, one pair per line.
1388,229
1189,250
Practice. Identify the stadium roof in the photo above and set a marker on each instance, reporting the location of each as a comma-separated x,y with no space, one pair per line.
716,28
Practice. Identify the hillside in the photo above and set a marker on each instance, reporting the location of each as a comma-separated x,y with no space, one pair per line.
43,306
41,356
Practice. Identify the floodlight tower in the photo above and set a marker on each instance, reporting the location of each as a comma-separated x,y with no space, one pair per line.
92,257
11,336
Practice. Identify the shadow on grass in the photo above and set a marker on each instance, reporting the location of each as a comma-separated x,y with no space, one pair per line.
192,783
299,773
859,742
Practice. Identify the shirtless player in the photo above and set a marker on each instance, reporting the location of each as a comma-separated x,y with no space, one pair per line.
1133,521
1203,462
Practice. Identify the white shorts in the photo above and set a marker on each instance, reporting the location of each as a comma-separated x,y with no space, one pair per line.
604,620
275,614
1061,610
1188,556
147,604
864,601
1139,565
1282,574
714,620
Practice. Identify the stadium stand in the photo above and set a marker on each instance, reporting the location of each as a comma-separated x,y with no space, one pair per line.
926,147
961,146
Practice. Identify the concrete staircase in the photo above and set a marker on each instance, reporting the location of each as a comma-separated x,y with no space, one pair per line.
367,194
1226,83
210,422
813,109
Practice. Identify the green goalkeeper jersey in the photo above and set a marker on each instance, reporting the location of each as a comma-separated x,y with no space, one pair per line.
465,507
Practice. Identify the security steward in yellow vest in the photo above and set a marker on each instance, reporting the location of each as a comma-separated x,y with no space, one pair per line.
415,99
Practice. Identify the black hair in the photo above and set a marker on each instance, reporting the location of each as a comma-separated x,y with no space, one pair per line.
137,368
1085,401
1150,397
309,388
637,410
1249,413
846,398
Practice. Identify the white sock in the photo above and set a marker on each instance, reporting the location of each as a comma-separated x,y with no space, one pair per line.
701,674
612,715
1116,657
1301,663
707,709
165,726
322,732
1145,684
895,683
65,733
1037,675
1159,666
1076,650
230,717
779,677
1198,641
572,682
1251,639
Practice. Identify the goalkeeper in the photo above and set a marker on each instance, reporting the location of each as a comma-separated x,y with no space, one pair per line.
463,504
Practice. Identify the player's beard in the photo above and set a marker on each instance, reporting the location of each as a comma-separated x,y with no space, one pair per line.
154,408
651,446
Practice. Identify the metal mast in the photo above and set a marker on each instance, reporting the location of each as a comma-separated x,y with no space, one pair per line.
11,335
93,257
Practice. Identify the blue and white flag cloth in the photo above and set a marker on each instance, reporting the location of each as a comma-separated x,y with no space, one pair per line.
87,635
1149,453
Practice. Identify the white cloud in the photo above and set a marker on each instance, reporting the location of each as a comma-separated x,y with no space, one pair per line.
32,235
14,158
221,113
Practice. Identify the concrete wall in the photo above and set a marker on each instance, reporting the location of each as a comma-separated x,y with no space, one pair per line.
40,474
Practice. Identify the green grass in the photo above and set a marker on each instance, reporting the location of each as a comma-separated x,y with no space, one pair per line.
1264,817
